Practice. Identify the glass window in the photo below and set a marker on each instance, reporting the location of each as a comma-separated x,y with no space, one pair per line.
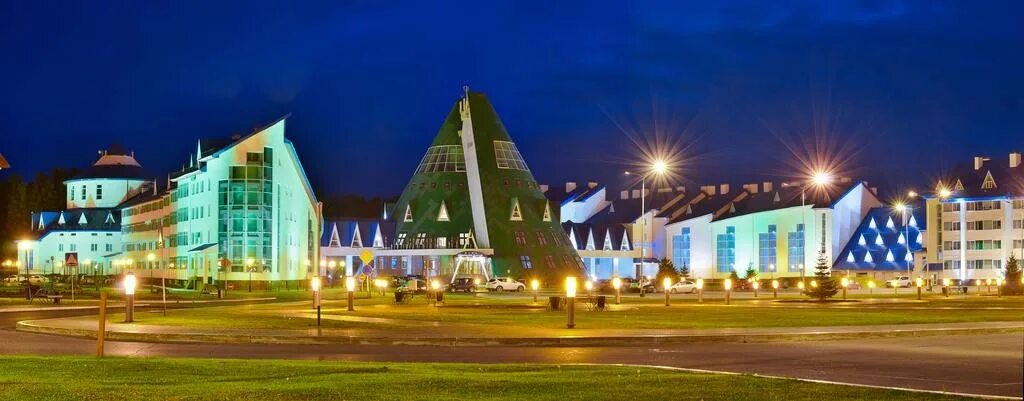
796,247
525,260
726,250
681,248
443,158
99,192
507,156
767,249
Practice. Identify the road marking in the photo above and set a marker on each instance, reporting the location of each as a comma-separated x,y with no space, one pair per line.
819,381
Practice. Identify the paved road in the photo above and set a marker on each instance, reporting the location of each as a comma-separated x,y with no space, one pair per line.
980,364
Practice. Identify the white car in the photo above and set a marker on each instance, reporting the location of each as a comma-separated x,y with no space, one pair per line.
902,282
685,286
505,284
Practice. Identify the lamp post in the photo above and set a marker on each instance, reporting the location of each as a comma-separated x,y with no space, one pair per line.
129,294
756,285
700,290
945,286
438,295
570,299
617,285
534,285
314,285
350,287
589,286
819,179
250,265
871,287
845,282
728,290
775,288
920,283
666,283
657,167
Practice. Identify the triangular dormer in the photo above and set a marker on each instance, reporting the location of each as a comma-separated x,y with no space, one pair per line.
889,223
590,240
689,209
901,240
378,237
625,242
357,238
889,257
41,225
547,211
913,221
82,220
959,186
517,212
878,240
109,219
919,238
989,183
60,220
862,241
611,208
442,212
868,258
408,214
572,238
776,199
849,257
909,257
608,240
335,238
732,208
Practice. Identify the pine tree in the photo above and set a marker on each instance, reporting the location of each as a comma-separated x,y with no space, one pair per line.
1013,276
666,269
684,271
827,286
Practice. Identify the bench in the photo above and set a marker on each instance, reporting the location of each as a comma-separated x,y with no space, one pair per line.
45,294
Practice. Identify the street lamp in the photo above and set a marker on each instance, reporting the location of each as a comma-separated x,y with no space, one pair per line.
700,290
920,283
129,293
314,285
871,287
756,285
570,299
904,209
534,285
436,286
845,282
819,179
589,286
775,288
945,286
350,286
658,167
728,290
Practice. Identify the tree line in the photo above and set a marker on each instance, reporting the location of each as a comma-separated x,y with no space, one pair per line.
19,198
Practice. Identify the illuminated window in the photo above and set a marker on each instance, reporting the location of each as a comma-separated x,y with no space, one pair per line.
443,158
408,214
508,157
517,213
442,213
99,192
525,260
726,250
520,238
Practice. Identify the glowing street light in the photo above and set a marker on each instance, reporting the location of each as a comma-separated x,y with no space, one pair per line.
129,293
945,286
617,285
350,287
438,296
700,290
920,283
570,296
589,286
871,287
756,285
845,282
775,288
728,290
534,285
658,167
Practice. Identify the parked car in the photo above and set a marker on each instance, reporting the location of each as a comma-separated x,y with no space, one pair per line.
685,286
853,285
462,284
33,279
901,281
13,279
505,284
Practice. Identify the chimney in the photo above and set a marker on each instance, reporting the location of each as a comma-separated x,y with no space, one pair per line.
767,185
543,188
624,195
723,188
591,184
570,186
636,194
680,189
1014,159
979,162
752,188
709,189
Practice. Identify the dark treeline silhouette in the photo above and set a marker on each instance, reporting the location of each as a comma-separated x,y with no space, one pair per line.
338,207
19,198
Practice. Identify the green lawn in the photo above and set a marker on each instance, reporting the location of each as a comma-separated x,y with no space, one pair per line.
519,311
81,378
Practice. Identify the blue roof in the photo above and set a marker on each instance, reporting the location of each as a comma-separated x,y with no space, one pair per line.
879,235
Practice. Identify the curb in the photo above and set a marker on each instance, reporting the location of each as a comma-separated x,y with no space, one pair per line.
594,341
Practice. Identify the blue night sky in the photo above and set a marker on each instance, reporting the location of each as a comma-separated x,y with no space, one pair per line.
899,89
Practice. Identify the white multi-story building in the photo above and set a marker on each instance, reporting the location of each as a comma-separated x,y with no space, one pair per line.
977,213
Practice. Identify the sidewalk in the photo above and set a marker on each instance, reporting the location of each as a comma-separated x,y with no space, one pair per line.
93,304
479,335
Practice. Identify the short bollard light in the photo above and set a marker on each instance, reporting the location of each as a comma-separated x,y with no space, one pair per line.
535,285
382,286
800,286
617,285
435,285
314,284
920,283
129,294
728,289
814,283
666,284
775,288
999,287
871,287
570,299
945,286
476,284
589,286
700,291
845,282
756,285
350,287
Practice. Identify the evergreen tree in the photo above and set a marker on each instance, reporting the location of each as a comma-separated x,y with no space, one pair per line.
684,271
666,269
751,273
827,286
1013,276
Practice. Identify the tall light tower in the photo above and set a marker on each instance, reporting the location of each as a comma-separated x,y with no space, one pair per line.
819,180
657,168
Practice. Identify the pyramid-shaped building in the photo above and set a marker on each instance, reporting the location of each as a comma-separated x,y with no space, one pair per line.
473,190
